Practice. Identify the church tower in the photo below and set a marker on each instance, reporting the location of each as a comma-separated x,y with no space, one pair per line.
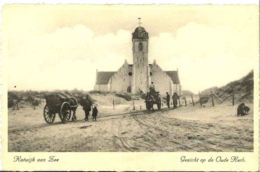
140,78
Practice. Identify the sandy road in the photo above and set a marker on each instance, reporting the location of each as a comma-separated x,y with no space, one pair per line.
183,129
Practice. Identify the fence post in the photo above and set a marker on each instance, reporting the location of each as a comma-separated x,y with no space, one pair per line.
192,100
212,97
200,100
133,105
113,103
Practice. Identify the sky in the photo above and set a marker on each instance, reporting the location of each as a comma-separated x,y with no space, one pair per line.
50,47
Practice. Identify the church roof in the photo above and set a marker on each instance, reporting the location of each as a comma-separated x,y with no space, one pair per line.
140,29
174,76
103,77
140,33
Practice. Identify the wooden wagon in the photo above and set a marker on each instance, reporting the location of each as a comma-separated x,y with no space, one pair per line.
60,103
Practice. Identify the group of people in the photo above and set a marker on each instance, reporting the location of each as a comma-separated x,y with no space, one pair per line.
88,105
94,112
175,98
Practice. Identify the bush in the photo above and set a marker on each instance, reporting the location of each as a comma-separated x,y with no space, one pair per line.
10,103
94,92
98,92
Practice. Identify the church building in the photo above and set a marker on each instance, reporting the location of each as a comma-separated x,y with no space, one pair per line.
137,77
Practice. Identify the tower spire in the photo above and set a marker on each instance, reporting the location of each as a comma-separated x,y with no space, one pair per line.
139,21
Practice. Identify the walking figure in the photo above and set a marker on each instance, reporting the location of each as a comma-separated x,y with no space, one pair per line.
94,112
87,109
86,102
168,99
175,98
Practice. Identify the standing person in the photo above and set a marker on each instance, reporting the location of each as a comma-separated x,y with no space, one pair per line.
168,99
86,103
175,98
94,113
87,109
152,89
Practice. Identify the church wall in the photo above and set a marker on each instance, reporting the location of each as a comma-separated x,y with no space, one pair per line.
178,89
120,81
161,80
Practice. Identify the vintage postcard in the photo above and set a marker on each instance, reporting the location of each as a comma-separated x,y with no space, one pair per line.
130,87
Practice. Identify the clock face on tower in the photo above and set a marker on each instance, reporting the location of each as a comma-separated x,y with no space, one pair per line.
140,46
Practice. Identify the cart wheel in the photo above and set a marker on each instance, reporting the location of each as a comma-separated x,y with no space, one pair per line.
48,117
65,112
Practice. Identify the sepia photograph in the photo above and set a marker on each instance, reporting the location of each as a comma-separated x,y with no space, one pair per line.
140,87
133,79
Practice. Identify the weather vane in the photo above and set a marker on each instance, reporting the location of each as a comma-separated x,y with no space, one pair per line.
139,21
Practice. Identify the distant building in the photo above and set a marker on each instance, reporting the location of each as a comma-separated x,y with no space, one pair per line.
137,77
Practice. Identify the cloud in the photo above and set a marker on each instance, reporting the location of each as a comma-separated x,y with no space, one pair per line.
66,59
205,55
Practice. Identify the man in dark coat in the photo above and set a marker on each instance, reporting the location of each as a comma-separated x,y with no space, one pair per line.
152,88
86,103
168,99
94,112
175,98
87,109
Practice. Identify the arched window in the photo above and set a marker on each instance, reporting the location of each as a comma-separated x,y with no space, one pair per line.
140,46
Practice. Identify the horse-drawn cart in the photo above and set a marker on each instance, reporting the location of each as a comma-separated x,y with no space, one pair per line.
60,103
152,98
